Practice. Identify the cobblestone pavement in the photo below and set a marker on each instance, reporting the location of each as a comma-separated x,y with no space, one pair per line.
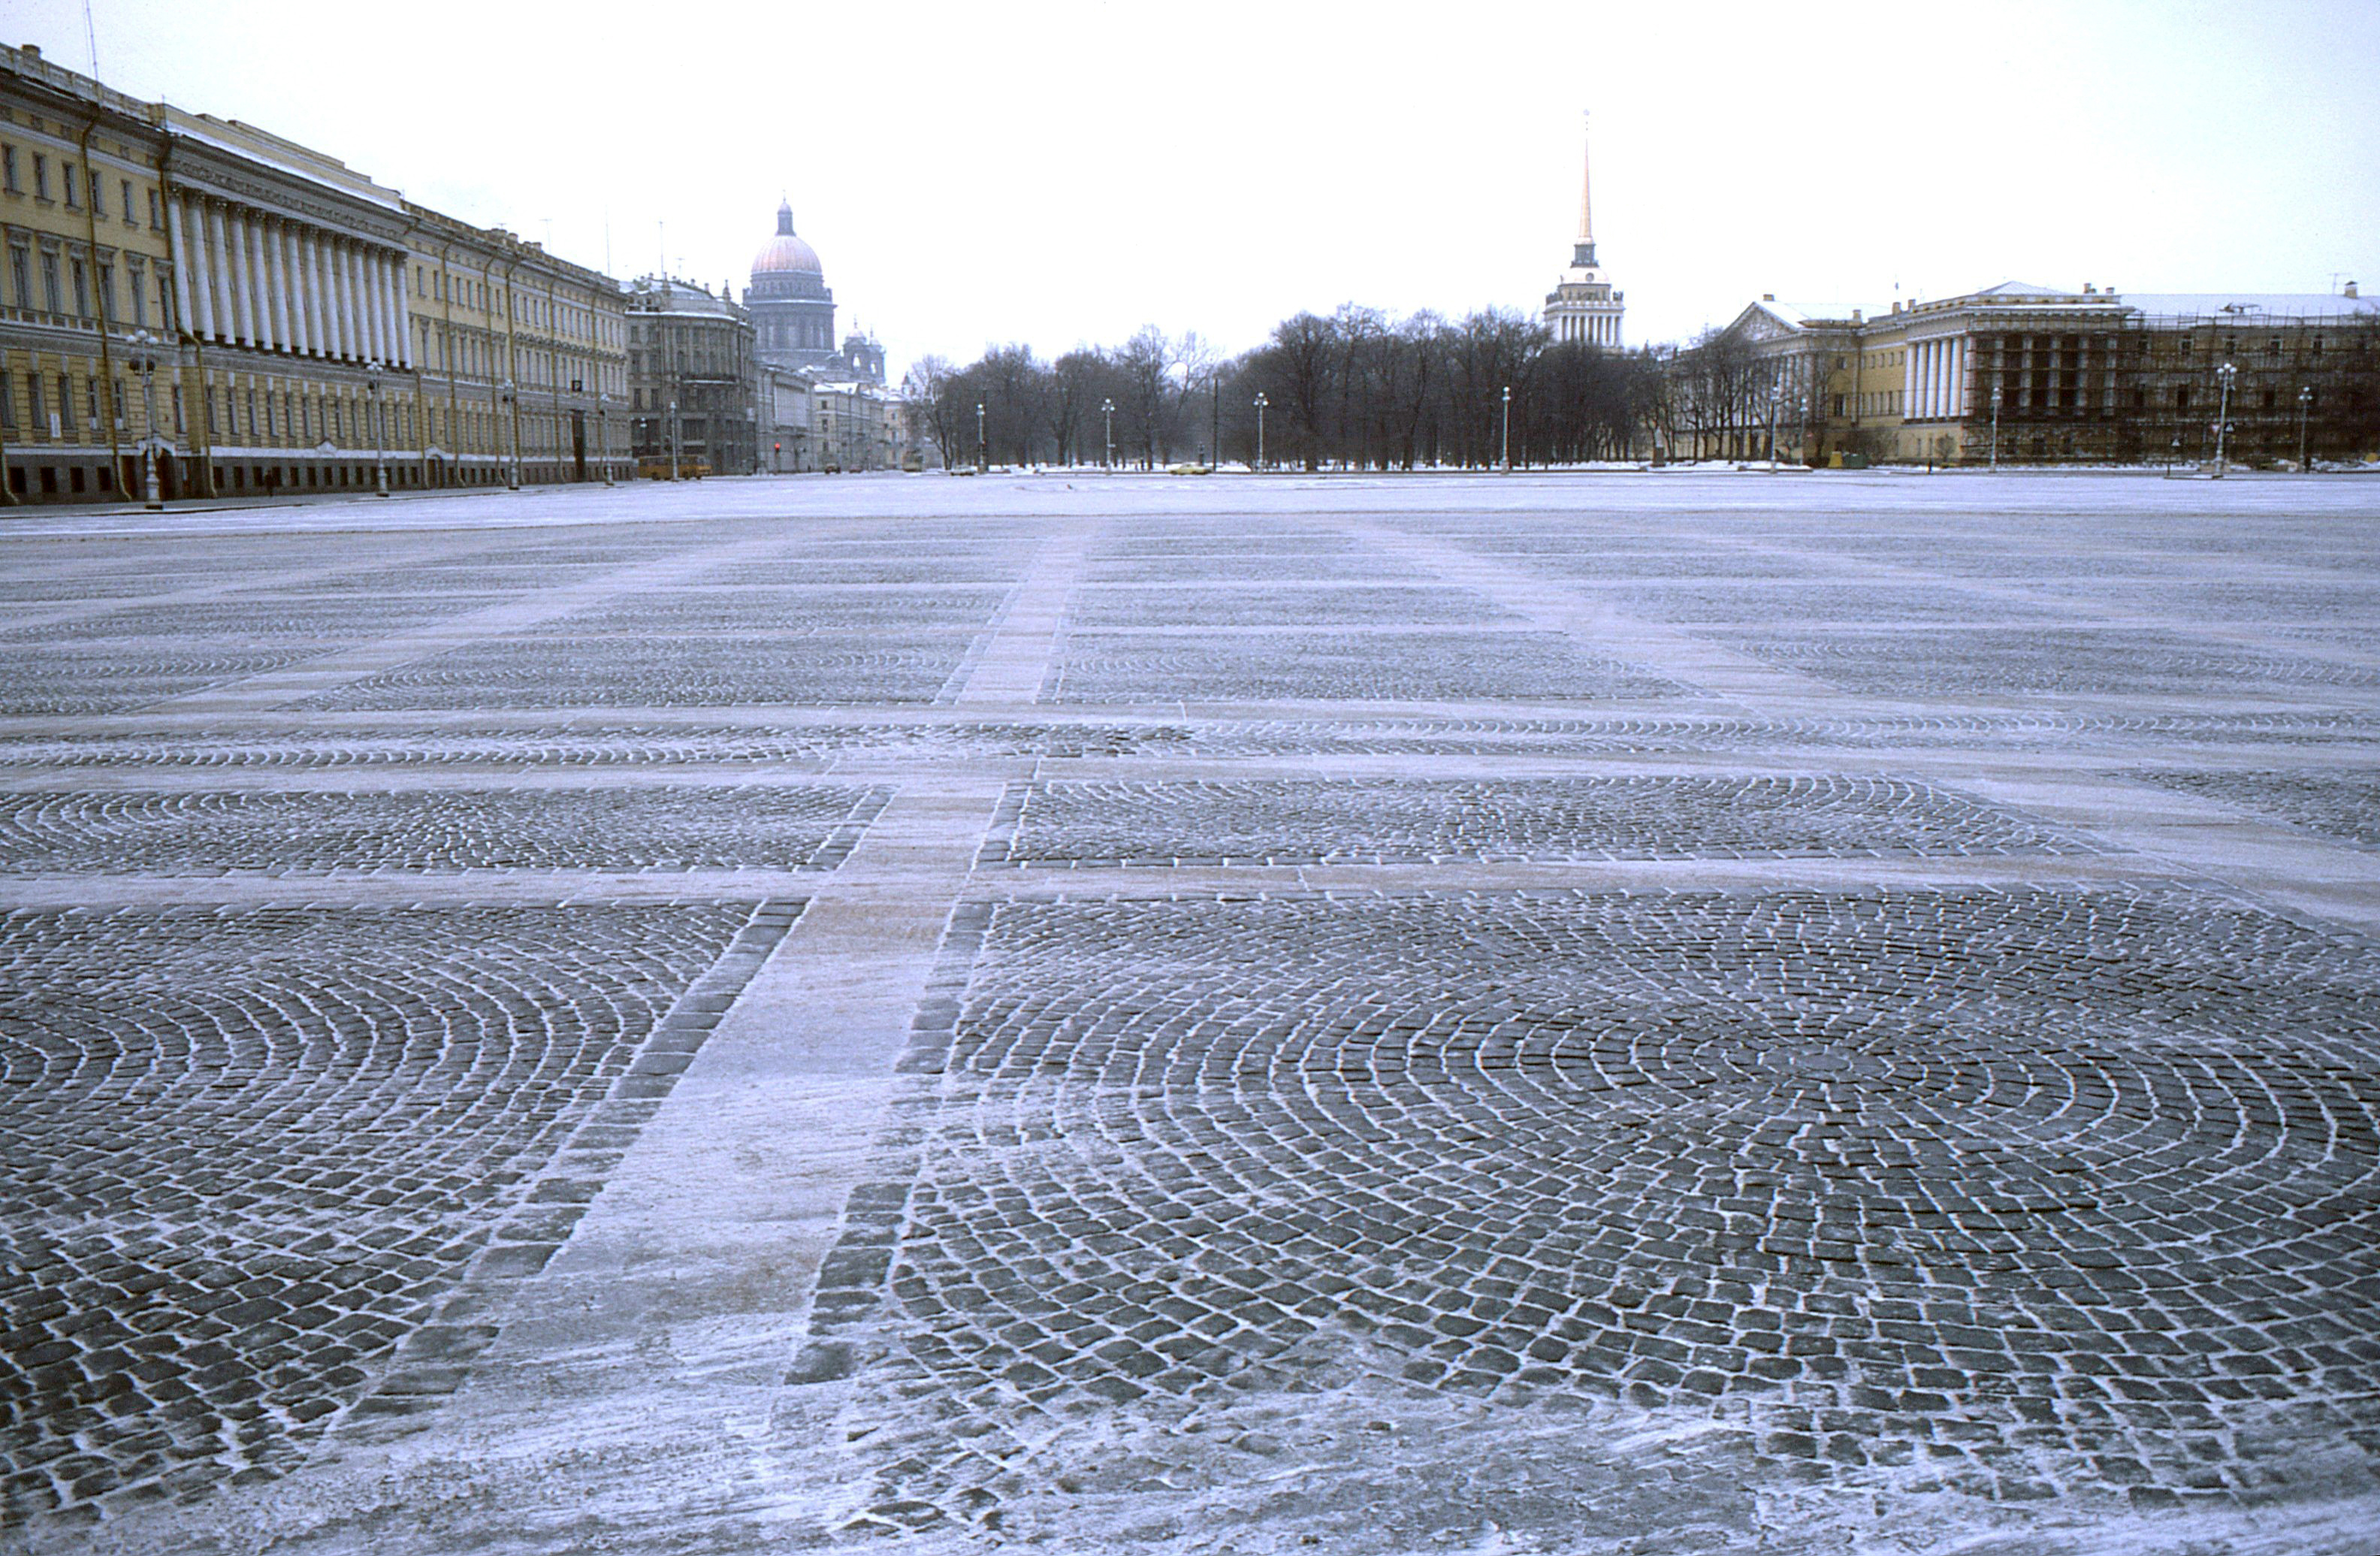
1278,821
266,1144
2340,805
1632,1013
754,827
1892,1180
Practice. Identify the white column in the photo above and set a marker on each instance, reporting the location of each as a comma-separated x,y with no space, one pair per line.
244,263
243,279
367,302
1908,382
177,216
392,283
376,290
1941,378
276,280
405,312
218,280
271,329
1965,399
292,266
326,294
359,303
343,287
318,300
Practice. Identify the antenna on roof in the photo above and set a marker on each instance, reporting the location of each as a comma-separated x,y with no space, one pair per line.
90,40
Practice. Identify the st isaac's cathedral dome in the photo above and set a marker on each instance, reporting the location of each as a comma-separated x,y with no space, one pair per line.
785,252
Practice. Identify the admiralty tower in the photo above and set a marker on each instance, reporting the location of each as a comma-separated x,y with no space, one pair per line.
1583,306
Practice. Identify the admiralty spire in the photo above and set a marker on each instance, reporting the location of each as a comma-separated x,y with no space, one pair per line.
1583,306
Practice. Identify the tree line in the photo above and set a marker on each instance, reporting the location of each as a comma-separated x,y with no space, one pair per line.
1355,389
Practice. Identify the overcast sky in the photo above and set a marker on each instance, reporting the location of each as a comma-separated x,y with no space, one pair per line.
1065,171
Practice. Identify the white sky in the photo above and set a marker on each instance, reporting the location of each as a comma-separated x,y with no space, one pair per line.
1067,171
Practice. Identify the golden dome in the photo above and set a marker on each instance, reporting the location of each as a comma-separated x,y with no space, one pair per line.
786,251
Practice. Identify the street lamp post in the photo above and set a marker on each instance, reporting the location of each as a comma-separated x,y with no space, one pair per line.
1776,401
602,438
380,438
2223,375
2305,405
672,440
982,456
1106,408
509,398
1996,426
143,360
1261,403
1507,435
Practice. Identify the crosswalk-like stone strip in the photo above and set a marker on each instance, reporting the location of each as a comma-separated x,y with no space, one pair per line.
457,545
1573,609
348,665
1013,668
663,1329
2083,611
2255,855
433,1361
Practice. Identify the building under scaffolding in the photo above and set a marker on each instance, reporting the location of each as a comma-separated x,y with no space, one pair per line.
2028,374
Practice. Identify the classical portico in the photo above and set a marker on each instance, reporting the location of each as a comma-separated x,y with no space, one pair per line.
269,282
1582,307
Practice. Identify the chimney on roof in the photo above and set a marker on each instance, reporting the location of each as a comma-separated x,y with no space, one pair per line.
1767,297
1855,316
2350,291
32,51
2089,290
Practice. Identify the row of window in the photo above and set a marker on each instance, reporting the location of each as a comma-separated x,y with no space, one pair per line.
70,287
567,318
74,186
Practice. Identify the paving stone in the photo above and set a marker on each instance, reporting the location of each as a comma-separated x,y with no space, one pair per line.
223,1132
1963,1102
1538,821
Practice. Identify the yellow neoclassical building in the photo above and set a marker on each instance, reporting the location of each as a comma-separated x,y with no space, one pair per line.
245,315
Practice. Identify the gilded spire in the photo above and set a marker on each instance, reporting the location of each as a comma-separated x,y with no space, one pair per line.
1582,252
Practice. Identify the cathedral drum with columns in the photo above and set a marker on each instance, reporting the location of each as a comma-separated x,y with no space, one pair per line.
1582,307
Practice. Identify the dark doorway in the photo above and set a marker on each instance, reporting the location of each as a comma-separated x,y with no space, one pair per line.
579,444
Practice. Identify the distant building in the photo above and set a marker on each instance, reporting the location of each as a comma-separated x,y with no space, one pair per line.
793,312
787,422
1582,307
2036,374
694,387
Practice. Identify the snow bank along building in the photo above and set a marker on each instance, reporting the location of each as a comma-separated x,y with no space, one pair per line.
1582,307
2041,375
296,319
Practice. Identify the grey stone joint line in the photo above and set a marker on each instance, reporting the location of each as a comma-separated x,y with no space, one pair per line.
430,1363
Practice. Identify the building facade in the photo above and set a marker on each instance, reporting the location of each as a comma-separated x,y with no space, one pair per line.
1584,307
2025,373
520,359
255,317
694,387
787,421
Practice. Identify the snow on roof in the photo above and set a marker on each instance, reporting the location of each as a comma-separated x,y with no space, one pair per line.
2250,305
